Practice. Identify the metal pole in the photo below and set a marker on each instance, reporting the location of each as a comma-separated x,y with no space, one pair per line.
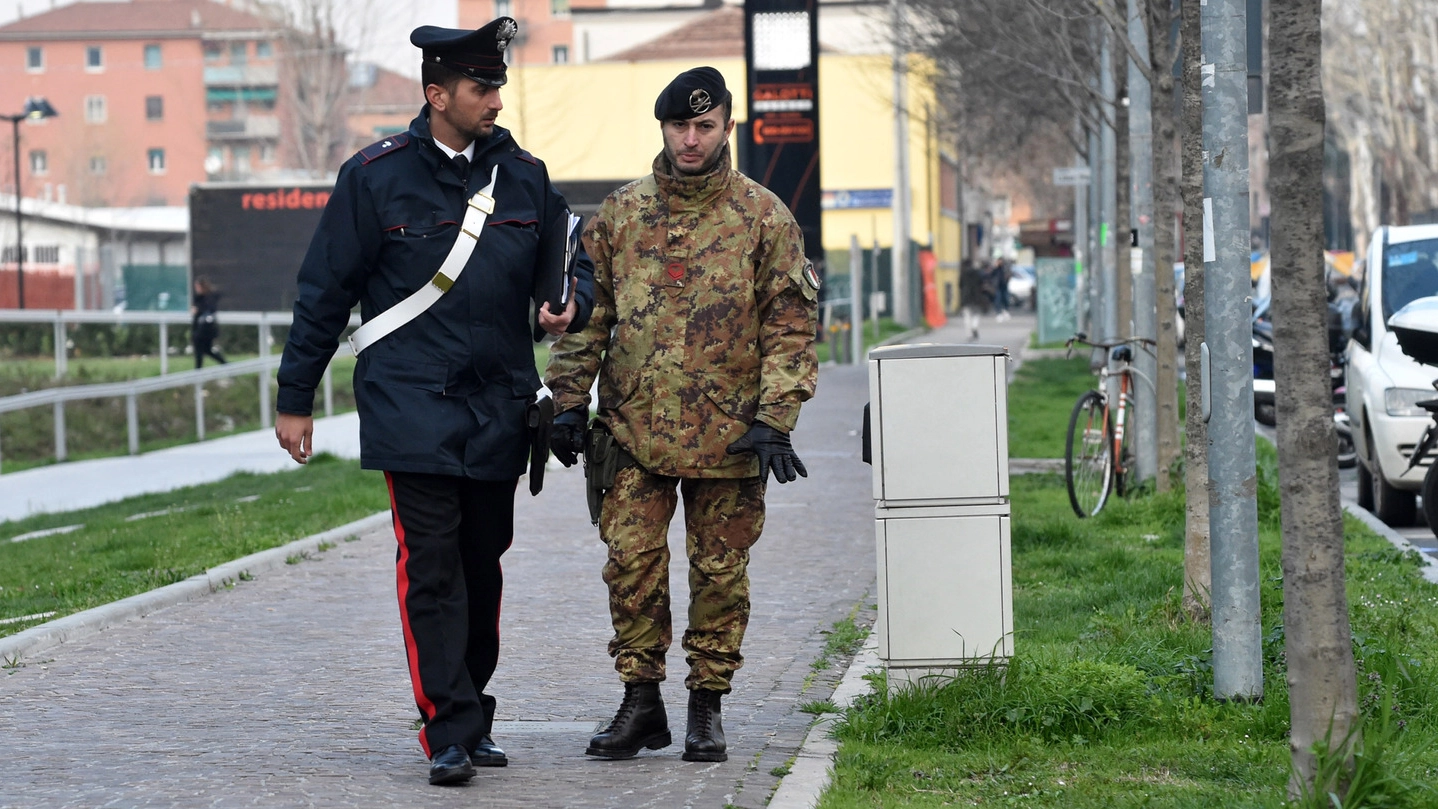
856,289
1109,200
1095,217
1080,246
61,353
60,451
19,237
899,263
264,377
132,423
164,349
1233,509
1145,304
199,411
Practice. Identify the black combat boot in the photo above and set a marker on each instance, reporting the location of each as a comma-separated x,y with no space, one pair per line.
640,722
704,741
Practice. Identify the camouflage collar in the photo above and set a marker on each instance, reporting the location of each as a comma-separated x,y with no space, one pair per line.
698,189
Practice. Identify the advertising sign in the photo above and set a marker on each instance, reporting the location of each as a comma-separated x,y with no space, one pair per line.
781,43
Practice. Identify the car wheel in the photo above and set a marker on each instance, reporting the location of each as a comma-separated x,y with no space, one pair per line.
1395,507
1365,487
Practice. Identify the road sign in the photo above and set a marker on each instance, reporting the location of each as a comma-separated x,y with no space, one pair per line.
1071,175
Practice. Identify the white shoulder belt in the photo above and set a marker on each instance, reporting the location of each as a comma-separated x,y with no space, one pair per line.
481,205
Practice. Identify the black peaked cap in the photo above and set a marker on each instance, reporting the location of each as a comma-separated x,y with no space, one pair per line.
691,94
477,54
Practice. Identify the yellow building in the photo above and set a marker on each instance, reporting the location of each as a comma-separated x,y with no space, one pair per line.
593,124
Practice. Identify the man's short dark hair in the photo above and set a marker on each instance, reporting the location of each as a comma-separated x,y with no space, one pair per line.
436,73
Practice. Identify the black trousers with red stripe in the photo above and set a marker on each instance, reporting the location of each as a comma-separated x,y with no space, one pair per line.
451,532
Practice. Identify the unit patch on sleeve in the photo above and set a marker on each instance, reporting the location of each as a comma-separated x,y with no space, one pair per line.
811,275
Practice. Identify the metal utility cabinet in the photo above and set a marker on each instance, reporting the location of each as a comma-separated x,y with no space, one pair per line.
938,437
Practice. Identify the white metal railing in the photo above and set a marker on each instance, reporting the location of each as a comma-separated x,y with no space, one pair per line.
60,318
131,389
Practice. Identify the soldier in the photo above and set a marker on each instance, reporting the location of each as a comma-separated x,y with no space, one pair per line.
446,373
701,280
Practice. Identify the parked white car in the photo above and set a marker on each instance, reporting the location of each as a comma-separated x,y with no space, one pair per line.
1022,287
1384,384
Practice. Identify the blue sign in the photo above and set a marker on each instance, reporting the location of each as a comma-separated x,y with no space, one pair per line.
857,198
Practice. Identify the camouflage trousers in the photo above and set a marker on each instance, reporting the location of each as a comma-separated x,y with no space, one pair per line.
723,517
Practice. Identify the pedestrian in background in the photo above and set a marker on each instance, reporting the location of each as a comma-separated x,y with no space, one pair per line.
204,323
999,276
703,343
972,301
443,397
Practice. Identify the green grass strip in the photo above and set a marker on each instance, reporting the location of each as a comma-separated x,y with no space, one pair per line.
145,542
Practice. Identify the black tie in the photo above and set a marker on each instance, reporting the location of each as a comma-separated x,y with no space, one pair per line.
461,168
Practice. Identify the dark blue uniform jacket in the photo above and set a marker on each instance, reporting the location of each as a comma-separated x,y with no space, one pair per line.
445,393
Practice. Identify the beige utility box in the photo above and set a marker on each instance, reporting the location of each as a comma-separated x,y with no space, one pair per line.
939,445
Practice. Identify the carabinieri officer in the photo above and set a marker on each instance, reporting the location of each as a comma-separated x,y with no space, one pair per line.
433,232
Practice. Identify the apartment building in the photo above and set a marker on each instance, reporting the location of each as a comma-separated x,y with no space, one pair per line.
152,95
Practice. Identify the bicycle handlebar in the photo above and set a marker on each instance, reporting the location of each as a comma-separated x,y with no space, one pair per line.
1142,342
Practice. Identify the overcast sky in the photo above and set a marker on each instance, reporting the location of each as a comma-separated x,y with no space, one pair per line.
381,37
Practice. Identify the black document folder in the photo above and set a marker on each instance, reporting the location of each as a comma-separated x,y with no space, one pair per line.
554,266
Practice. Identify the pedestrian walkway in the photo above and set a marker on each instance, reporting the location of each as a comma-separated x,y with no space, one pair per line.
83,484
291,689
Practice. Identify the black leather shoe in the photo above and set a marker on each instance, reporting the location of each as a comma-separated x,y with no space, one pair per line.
640,722
704,739
488,754
450,766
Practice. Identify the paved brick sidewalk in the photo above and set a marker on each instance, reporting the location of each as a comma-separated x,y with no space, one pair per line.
291,690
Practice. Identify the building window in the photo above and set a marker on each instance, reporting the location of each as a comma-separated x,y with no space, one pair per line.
504,8
156,159
238,53
152,57
34,59
267,153
95,111
46,254
98,165
559,8
154,108
264,50
561,54
94,58
240,160
213,52
39,162
215,161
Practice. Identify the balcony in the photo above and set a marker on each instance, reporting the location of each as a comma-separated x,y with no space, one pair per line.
241,76
254,127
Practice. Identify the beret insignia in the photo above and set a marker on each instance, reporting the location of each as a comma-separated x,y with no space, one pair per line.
700,102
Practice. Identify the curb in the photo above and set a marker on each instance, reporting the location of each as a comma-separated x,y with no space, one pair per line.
813,765
92,621
1430,565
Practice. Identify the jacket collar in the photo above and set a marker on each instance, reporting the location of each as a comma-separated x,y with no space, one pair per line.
437,160
691,190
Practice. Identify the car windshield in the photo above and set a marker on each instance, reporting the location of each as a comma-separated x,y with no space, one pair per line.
1410,272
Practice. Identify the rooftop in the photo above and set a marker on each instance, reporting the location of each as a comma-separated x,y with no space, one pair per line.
718,33
124,20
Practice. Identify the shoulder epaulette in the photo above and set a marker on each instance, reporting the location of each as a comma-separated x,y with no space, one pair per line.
527,157
379,149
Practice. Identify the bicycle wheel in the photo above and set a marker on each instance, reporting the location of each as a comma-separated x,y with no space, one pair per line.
1088,461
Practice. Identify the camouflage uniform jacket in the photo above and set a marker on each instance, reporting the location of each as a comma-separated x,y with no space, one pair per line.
704,319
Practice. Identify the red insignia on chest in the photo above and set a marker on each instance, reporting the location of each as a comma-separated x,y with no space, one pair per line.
675,270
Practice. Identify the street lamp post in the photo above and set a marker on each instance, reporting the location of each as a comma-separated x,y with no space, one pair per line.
35,108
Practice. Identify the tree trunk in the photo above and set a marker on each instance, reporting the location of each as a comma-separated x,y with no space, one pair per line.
1165,190
1197,574
1317,639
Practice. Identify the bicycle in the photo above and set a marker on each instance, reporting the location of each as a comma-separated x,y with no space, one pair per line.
1098,455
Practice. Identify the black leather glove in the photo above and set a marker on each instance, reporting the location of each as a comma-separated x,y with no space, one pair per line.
774,451
566,440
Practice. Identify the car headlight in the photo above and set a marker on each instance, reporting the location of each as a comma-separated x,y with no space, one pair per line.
1404,401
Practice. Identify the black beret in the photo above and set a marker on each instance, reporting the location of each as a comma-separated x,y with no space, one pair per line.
477,54
692,93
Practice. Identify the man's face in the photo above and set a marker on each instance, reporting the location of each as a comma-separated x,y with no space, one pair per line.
472,108
693,146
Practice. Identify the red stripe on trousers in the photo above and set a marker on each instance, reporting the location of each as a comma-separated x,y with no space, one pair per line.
426,706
